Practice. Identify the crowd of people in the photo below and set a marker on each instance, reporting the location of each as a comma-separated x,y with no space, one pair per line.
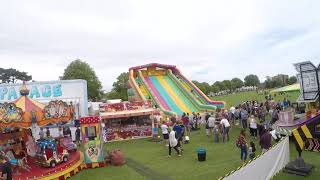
253,117
176,130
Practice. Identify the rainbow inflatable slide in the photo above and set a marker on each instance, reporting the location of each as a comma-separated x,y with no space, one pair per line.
168,90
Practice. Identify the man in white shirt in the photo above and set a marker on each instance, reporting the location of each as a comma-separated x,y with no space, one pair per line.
211,122
225,127
232,114
165,132
253,126
158,119
232,109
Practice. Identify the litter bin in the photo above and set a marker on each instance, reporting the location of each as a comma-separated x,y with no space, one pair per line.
201,154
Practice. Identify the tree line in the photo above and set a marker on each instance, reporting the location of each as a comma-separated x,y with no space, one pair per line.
78,69
249,80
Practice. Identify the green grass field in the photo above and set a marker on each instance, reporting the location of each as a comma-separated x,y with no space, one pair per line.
152,162
148,160
237,98
221,158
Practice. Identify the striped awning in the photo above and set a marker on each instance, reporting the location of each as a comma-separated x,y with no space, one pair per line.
29,105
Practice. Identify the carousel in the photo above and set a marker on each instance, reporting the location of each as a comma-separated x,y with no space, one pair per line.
44,158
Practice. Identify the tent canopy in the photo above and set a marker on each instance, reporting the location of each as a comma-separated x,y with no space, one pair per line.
293,87
29,105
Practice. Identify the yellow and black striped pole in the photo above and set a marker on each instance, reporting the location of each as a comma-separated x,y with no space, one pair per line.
301,134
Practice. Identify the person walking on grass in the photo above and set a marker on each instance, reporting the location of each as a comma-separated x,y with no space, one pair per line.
225,125
253,127
174,143
232,115
165,133
197,120
179,130
243,115
242,144
211,123
216,133
252,150
193,120
265,140
185,121
207,129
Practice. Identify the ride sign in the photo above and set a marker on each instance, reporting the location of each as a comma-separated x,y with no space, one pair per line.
309,80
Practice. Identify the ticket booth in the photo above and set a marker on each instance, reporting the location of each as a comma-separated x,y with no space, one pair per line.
92,141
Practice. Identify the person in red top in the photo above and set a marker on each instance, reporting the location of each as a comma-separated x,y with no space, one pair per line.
242,144
185,121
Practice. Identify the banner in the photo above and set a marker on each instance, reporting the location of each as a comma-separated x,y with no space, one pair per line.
125,106
266,165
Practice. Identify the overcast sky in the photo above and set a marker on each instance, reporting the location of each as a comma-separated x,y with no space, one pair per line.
208,40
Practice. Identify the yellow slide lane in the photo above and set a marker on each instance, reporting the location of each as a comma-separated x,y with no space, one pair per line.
173,95
144,91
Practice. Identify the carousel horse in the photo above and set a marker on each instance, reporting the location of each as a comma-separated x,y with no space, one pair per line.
21,163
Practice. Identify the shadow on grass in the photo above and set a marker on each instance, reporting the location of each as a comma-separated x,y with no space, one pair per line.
145,171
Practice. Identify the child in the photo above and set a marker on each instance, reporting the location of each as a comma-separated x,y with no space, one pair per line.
252,150
216,133
207,129
174,143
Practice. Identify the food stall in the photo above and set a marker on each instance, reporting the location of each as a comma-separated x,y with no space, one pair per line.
127,120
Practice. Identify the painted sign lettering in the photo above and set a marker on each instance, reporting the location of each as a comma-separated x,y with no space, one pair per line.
36,91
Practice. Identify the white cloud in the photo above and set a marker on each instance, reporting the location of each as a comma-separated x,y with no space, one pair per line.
207,40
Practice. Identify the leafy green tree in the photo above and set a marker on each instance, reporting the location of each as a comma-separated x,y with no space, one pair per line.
12,76
81,70
273,83
277,83
236,83
292,80
204,87
214,88
251,80
268,84
120,87
227,84
220,86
